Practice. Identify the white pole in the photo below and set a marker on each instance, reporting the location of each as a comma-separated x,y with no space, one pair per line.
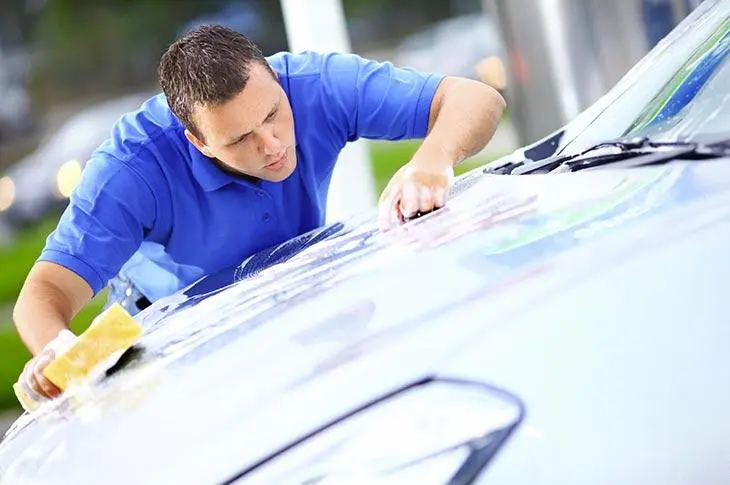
319,25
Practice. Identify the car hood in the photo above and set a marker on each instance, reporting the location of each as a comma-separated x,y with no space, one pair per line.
219,385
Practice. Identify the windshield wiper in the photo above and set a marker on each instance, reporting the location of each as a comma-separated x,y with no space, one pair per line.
631,152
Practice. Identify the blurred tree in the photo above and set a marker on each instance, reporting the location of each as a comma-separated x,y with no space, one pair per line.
104,46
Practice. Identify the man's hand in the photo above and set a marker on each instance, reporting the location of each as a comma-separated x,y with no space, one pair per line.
463,117
421,185
36,385
32,380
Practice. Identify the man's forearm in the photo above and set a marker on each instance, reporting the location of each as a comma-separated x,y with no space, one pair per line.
465,119
39,317
50,298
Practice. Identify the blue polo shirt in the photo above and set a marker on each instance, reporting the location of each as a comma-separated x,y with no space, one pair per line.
153,208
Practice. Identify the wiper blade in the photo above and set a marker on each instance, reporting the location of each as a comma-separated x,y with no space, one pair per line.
649,152
641,151
627,159
551,163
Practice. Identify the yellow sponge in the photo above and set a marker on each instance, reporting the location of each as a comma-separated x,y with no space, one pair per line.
111,333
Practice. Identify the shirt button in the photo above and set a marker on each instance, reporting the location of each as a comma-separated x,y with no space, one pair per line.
266,217
260,193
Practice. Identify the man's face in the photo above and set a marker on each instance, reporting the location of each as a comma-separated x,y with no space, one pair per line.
252,133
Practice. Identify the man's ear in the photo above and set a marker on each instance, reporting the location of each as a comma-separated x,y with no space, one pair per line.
198,144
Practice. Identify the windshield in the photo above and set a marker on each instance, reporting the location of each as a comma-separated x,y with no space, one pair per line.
678,91
696,99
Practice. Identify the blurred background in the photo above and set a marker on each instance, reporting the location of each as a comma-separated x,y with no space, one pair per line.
69,69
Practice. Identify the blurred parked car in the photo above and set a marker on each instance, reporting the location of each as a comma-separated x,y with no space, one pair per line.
40,184
244,16
455,46
241,16
15,109
544,328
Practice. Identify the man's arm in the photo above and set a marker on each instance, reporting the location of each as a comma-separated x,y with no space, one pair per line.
52,295
107,218
463,119
455,118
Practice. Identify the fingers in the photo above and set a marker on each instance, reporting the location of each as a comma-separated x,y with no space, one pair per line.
41,384
410,202
388,212
439,197
408,193
26,382
34,383
424,199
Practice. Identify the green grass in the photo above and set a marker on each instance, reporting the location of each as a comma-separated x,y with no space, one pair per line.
14,356
17,259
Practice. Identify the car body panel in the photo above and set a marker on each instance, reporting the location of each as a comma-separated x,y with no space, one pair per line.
293,337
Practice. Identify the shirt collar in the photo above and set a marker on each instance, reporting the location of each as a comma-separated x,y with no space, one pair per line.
209,175
205,172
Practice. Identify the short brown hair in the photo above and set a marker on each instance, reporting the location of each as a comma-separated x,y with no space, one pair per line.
206,67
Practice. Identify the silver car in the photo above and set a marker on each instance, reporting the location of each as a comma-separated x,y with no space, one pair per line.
40,184
453,46
562,321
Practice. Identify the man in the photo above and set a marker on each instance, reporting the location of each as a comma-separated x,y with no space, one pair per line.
234,156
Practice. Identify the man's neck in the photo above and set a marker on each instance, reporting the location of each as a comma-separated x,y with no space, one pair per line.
234,173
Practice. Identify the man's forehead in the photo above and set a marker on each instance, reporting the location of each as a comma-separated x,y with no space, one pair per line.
243,112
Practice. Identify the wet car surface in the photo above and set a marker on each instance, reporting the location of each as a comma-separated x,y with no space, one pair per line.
276,356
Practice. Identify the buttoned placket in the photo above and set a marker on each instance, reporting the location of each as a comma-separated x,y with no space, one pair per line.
267,216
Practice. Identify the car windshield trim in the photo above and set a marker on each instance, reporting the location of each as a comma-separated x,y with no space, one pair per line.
640,151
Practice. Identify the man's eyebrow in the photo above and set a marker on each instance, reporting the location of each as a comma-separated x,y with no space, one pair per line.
268,117
238,139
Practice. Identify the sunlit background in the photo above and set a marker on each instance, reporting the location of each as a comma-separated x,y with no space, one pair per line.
68,70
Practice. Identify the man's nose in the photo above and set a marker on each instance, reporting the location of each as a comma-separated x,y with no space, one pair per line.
270,143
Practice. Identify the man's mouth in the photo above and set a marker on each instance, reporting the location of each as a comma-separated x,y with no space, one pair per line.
278,162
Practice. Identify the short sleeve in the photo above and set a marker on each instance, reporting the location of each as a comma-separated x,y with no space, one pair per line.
109,214
376,100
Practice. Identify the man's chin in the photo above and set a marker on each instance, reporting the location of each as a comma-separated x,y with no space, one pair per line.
281,174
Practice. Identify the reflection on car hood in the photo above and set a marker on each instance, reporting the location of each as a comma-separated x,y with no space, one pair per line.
219,385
